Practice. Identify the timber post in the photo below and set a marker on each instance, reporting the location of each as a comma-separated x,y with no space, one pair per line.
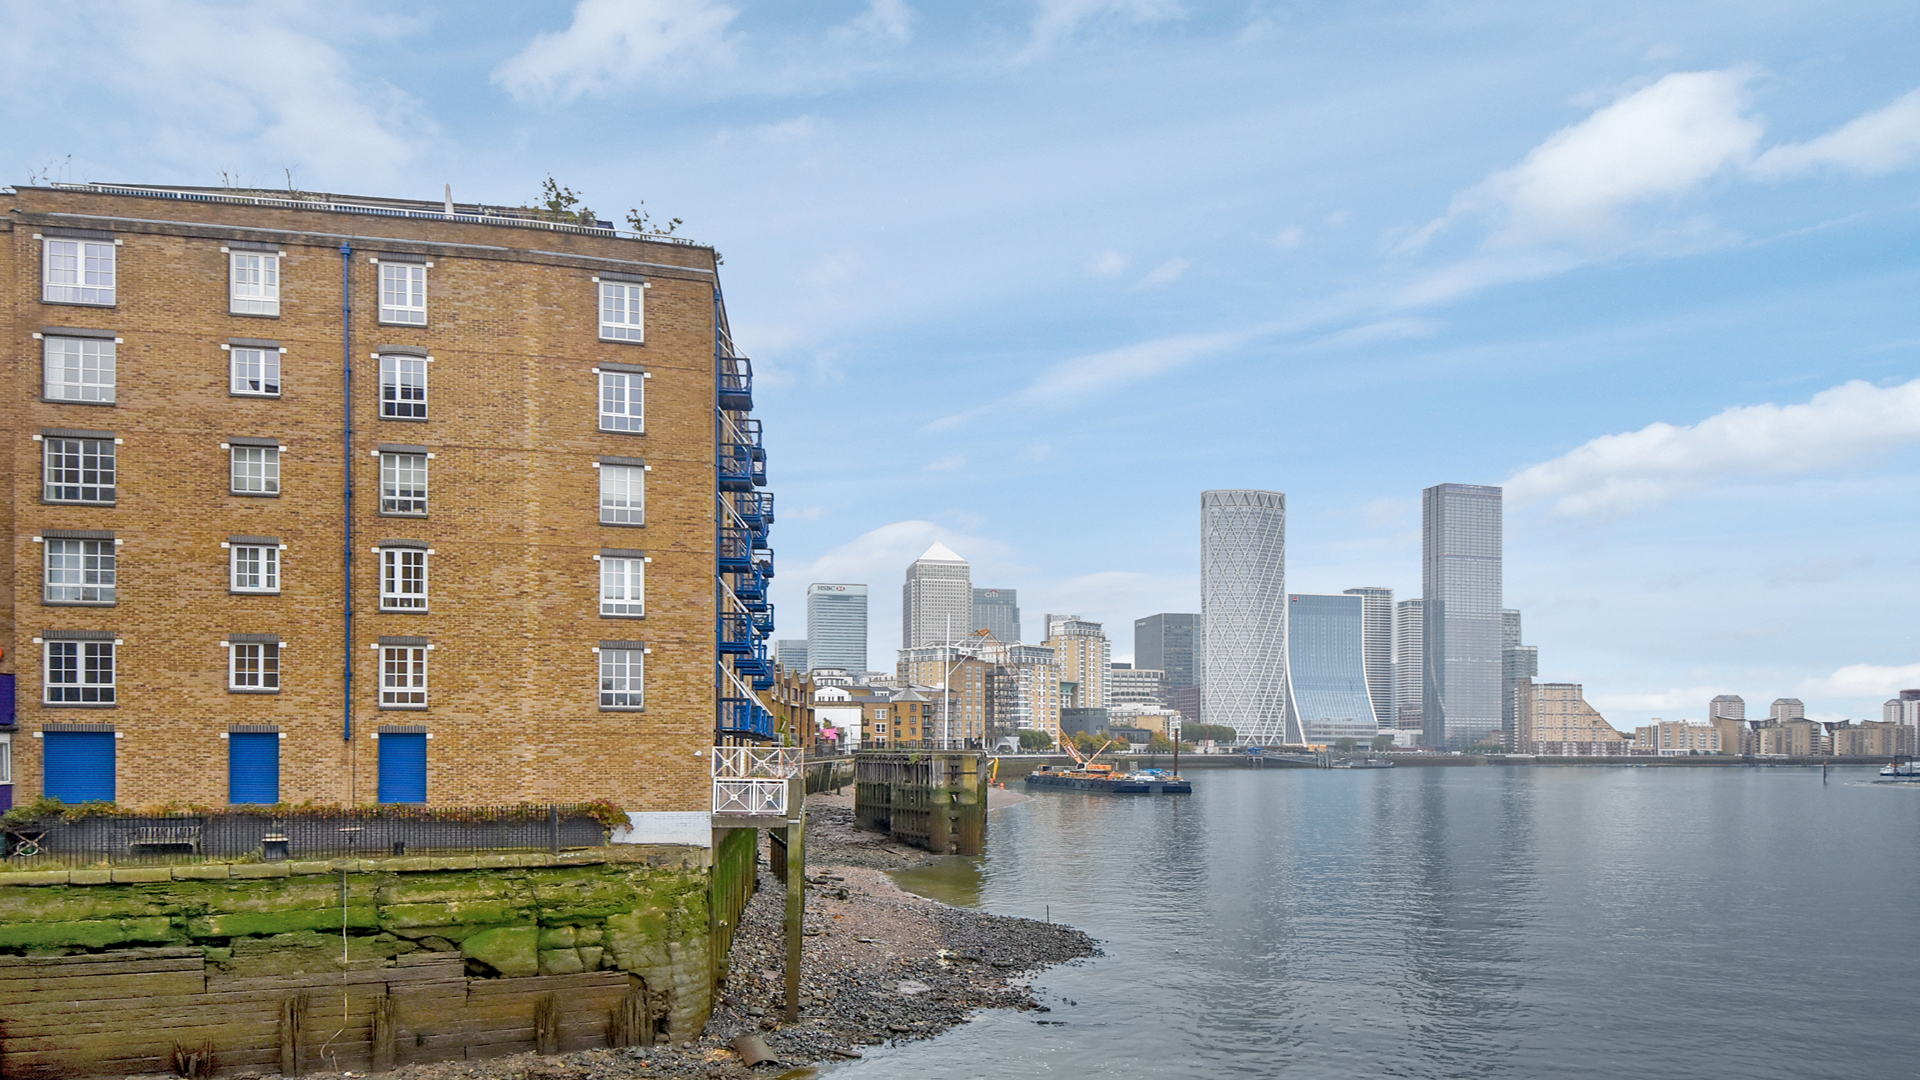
796,889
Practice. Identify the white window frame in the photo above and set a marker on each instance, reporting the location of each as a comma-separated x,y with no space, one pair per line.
404,687
394,367
254,666
6,758
403,293
104,559
623,311
253,282
85,687
265,482
623,678
86,272
623,507
79,369
623,401
397,566
392,502
623,585
264,378
267,558
54,450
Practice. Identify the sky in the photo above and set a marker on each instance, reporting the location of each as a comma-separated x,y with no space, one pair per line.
1026,277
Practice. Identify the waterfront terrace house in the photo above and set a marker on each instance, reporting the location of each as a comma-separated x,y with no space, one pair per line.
351,500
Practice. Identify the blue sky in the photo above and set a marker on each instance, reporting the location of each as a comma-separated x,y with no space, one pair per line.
1026,277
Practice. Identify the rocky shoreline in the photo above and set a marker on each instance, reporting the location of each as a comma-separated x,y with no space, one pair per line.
880,965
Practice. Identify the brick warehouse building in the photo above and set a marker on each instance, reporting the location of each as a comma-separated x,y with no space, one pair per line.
546,452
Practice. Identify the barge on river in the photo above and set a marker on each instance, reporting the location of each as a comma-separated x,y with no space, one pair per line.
1100,777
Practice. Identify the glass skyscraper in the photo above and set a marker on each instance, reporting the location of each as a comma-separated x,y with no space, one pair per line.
936,601
1460,577
1327,694
1376,616
837,627
1408,657
1167,642
997,611
1243,612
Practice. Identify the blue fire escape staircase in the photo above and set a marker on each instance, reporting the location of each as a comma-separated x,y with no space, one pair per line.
743,557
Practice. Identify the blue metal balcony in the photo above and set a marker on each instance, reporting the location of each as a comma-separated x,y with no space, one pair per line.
751,588
736,550
745,716
765,565
737,467
736,383
763,621
736,634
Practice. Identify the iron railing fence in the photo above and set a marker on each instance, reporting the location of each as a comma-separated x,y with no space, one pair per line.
151,839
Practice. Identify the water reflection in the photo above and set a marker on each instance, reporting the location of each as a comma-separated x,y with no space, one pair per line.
1452,922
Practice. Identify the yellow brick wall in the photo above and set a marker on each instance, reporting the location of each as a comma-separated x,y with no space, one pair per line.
513,496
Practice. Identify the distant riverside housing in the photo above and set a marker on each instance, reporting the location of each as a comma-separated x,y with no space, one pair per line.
936,602
418,501
1555,720
837,626
1084,656
1243,611
1727,707
1903,709
1129,685
1460,581
1409,663
1327,670
1376,616
1517,661
1671,737
997,611
1787,708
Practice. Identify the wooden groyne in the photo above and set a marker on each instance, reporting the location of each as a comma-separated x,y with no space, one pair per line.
933,799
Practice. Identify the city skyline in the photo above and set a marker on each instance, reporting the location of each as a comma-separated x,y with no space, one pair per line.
1669,355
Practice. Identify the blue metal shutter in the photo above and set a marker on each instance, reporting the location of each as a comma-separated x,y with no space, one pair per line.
253,767
403,767
79,765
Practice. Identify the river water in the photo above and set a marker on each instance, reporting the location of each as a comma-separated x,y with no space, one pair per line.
1454,922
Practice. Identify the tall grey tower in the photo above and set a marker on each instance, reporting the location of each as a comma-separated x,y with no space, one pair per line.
1460,577
936,603
1166,642
998,611
1243,612
836,627
1376,620
1517,661
1408,662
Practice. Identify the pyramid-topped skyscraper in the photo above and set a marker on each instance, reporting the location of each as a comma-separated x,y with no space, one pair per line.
936,603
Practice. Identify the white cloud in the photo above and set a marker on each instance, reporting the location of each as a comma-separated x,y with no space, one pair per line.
174,78
885,20
1617,473
1107,264
1289,238
1095,373
612,42
1165,274
1653,145
1864,681
1877,143
1057,19
947,464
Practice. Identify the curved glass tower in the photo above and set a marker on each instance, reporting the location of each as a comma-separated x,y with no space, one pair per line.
1327,670
1243,610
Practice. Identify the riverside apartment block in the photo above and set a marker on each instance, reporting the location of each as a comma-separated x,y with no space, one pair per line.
350,500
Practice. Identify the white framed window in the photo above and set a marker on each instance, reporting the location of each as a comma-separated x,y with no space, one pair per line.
79,369
80,571
6,759
623,585
254,371
78,271
403,676
256,567
403,293
403,579
255,283
403,483
253,665
621,308
622,672
78,470
256,470
403,387
623,495
79,673
622,401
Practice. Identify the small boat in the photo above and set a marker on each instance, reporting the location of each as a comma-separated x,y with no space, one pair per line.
1900,771
1099,776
